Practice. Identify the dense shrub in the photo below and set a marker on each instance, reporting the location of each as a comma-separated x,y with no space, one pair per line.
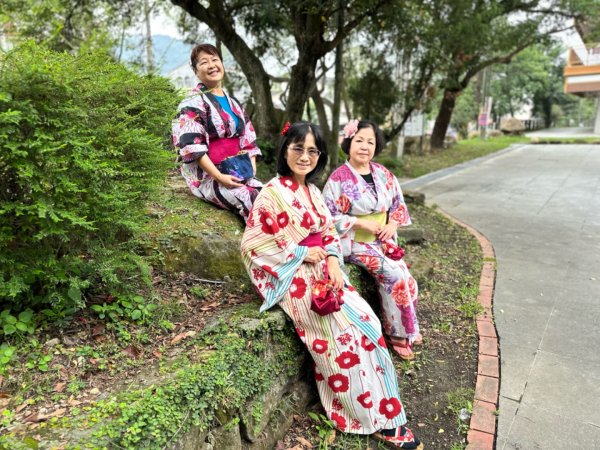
82,143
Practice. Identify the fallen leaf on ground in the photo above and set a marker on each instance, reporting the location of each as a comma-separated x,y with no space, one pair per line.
59,387
33,417
304,442
132,351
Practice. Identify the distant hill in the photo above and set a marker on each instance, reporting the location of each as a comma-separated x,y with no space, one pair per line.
169,53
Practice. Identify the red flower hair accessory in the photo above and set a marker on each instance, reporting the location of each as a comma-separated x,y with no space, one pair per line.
285,128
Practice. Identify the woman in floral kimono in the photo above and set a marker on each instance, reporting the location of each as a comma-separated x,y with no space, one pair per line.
367,206
293,256
210,127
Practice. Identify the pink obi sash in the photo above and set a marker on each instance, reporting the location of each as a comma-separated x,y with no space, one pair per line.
312,240
221,148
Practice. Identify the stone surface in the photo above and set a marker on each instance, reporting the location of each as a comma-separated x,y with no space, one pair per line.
510,125
411,234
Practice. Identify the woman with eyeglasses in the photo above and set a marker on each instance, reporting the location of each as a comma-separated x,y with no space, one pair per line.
211,127
293,256
367,205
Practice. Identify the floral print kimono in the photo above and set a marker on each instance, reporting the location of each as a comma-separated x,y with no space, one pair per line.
354,372
348,195
200,119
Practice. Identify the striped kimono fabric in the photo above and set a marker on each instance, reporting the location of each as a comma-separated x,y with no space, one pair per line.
355,377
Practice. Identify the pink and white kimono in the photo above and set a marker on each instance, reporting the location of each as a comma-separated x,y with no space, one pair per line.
355,377
348,195
200,121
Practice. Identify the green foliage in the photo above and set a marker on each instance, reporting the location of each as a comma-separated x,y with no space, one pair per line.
324,427
7,353
81,150
231,370
460,402
23,323
374,93
131,307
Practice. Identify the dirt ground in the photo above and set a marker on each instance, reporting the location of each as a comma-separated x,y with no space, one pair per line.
440,381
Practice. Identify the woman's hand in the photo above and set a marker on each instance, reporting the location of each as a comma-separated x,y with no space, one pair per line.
315,255
368,225
388,231
335,273
229,181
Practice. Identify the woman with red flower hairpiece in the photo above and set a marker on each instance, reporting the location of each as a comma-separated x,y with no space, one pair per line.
295,263
367,206
211,128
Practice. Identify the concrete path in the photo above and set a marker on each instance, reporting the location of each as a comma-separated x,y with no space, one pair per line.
540,207
581,132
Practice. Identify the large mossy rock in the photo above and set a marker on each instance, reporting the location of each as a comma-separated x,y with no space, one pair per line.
234,385
190,235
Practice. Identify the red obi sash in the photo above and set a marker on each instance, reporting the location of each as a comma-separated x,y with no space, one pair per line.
221,148
312,240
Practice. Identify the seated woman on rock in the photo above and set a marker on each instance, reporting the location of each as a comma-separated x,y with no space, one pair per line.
367,206
292,253
212,127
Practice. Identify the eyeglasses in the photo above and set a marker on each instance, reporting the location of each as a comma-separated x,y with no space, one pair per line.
299,151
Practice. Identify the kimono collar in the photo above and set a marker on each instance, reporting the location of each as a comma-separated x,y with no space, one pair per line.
378,198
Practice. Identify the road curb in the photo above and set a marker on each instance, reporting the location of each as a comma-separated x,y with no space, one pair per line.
484,423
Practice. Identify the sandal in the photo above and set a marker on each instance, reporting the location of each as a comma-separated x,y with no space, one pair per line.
401,346
401,437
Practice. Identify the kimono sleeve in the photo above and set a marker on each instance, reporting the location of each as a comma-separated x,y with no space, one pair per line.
339,205
189,134
398,211
269,253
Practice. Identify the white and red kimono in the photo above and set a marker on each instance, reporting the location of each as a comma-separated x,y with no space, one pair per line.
355,377
348,195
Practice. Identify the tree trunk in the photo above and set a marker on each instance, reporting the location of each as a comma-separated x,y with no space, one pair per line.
148,39
443,118
301,81
332,143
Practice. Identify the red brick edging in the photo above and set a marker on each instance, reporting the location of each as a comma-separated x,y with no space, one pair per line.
482,431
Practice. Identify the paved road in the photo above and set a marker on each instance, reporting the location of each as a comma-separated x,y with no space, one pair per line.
564,133
540,208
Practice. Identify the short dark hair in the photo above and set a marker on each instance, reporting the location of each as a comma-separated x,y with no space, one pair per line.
206,48
379,139
297,134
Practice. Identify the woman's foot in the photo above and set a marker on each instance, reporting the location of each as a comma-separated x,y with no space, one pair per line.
418,339
402,347
400,437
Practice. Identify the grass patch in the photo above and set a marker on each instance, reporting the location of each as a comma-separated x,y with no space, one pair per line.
414,166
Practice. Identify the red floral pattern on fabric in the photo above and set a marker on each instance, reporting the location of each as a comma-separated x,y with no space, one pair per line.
258,274
400,294
340,422
337,405
365,400
356,425
320,345
328,240
372,263
298,287
338,382
344,338
270,271
400,216
381,342
289,183
282,219
343,203
412,286
347,360
390,407
307,221
269,223
367,344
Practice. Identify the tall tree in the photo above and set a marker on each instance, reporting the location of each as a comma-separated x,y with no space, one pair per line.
313,25
475,34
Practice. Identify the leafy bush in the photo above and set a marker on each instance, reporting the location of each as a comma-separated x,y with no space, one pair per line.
81,150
